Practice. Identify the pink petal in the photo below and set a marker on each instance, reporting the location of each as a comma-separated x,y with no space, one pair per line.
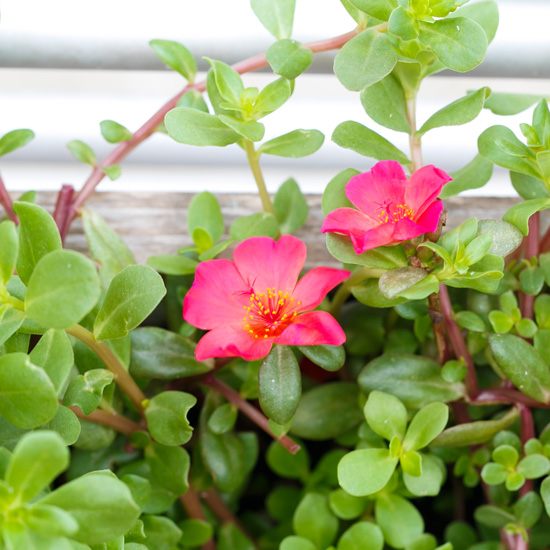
216,297
424,187
316,284
232,341
381,235
406,229
263,262
373,191
350,222
313,328
430,219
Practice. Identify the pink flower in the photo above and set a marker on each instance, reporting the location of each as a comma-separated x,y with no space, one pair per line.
255,301
391,209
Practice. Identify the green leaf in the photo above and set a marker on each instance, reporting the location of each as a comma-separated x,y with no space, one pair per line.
489,148
531,280
133,294
277,16
193,127
541,122
166,417
290,207
37,460
458,112
346,506
173,264
38,235
82,152
196,531
223,419
533,466
169,467
14,140
379,9
362,535
399,520
114,132
106,247
330,358
425,426
327,411
63,288
49,520
10,324
255,225
85,391
8,251
395,282
313,520
474,433
506,237
381,258
54,354
295,144
194,100
366,142
545,494
252,130
273,96
334,195
402,24
493,516
429,482
507,104
161,354
289,58
27,396
100,503
365,60
113,172
366,471
484,14
280,384
386,415
528,509
415,380
296,543
232,538
286,464
522,364
385,103
161,532
66,424
176,56
228,82
204,212
459,43
520,213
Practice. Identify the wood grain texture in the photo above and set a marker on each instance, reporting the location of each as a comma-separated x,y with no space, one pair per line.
156,223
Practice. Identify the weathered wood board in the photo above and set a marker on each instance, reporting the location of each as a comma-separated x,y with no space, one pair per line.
155,223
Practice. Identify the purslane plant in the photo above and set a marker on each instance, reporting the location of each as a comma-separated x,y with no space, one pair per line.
420,388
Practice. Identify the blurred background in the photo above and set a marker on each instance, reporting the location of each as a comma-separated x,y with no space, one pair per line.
66,65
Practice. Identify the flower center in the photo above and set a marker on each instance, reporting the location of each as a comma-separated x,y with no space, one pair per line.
269,313
395,212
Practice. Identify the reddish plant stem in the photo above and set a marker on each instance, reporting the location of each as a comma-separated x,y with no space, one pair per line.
458,342
122,150
545,242
438,326
192,505
215,502
63,207
527,432
6,202
531,251
506,395
249,410
111,420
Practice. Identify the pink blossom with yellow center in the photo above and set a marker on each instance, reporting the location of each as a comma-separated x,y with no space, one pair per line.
390,208
255,301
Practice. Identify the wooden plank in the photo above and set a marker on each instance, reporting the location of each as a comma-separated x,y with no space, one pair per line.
156,223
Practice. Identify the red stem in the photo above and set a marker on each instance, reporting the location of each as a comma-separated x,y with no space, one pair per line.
531,251
124,148
63,207
458,342
252,412
192,504
527,432
110,419
5,201
508,396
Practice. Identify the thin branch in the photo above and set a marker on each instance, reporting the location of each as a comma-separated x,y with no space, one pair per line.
115,421
192,505
438,326
531,251
252,412
508,396
254,162
458,342
112,362
63,207
122,150
527,432
5,201
414,140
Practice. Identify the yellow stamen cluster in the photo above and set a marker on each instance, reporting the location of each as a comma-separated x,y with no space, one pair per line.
393,215
269,313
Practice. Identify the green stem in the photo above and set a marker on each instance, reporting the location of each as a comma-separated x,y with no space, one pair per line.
254,161
414,140
345,289
112,362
